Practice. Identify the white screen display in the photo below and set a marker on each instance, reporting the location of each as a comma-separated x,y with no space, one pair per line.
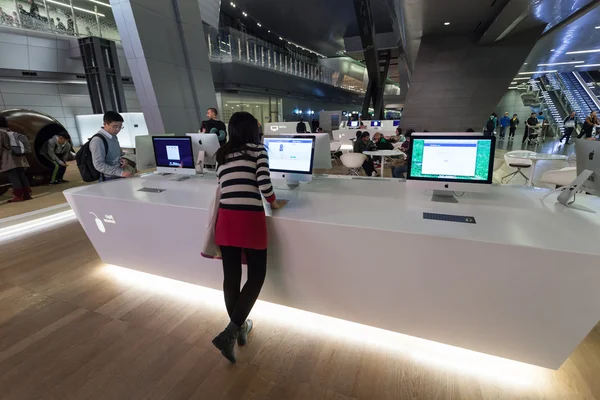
287,154
449,157
173,153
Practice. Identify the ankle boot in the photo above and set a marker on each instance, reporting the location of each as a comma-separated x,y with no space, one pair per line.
225,341
244,331
27,193
17,196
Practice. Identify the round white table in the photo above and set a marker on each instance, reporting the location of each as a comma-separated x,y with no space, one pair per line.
383,154
535,157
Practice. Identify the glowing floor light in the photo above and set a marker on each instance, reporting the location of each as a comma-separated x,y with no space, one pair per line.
424,351
35,225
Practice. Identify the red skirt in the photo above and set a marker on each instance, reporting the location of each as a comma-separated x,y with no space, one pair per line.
245,229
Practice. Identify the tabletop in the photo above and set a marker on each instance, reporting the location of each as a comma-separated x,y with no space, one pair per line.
537,156
384,153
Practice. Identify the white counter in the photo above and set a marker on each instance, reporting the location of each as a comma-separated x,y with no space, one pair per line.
520,284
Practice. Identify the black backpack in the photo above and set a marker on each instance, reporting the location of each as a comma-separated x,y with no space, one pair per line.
490,125
85,163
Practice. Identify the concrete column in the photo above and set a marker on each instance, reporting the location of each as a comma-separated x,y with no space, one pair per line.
167,54
457,83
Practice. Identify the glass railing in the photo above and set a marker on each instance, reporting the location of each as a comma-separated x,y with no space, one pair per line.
226,45
61,17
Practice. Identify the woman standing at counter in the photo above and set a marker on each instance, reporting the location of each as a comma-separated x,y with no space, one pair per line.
243,172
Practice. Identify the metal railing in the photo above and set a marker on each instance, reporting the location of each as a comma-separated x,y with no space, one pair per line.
60,17
226,45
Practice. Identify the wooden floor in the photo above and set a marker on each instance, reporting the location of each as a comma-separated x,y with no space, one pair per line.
70,330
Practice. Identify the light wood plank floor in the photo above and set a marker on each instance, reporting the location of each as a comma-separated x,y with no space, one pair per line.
68,330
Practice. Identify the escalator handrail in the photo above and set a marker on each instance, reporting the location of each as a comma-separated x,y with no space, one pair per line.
587,90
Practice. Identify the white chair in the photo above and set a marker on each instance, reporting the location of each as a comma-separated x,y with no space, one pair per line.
354,162
518,163
560,177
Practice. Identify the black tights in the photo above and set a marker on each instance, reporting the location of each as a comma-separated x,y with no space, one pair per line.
240,303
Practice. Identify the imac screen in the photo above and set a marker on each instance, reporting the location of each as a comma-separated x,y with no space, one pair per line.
173,152
290,154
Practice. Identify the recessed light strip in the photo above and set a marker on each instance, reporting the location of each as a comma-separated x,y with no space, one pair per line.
561,63
538,72
521,79
587,65
32,226
101,3
75,8
583,51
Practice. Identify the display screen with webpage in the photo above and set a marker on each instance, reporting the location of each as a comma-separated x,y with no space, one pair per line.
287,154
173,152
454,159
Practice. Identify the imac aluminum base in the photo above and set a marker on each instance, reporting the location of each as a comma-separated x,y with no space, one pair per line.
442,196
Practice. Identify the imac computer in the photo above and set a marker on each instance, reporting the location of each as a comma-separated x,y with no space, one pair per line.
144,152
588,173
353,124
449,164
291,158
322,158
414,134
375,123
174,155
207,142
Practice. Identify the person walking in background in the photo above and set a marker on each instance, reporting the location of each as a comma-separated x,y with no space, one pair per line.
13,165
504,123
570,124
514,123
300,126
214,125
106,150
490,125
34,10
401,168
55,152
59,25
531,123
241,227
588,126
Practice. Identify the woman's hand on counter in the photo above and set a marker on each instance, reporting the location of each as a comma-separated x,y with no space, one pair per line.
277,204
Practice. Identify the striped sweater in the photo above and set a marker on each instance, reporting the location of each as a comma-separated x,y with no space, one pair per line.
243,178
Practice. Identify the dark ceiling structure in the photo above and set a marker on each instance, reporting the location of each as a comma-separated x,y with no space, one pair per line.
570,25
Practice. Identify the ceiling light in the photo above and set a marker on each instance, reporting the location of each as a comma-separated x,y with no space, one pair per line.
258,23
561,63
513,83
280,38
524,63
587,65
513,87
446,23
75,8
552,50
99,2
269,31
232,4
584,51
598,27
521,79
538,72
244,14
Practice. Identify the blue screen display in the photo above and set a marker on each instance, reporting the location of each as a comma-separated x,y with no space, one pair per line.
396,122
173,152
375,123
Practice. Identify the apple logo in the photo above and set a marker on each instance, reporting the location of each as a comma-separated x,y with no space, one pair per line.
99,223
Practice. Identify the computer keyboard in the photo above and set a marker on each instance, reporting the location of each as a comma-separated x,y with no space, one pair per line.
449,218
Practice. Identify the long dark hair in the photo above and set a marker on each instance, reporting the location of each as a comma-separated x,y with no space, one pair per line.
243,130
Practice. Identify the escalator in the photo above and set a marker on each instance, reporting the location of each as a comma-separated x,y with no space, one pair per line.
578,93
591,83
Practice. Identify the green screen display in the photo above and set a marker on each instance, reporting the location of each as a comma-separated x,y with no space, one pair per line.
459,159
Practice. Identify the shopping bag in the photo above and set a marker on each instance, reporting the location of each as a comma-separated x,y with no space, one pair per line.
210,248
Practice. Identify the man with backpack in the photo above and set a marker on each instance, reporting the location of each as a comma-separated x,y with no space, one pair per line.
13,149
100,158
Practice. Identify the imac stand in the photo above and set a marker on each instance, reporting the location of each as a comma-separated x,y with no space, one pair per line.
443,196
567,196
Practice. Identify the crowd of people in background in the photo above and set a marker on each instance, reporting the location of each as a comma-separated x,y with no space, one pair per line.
32,19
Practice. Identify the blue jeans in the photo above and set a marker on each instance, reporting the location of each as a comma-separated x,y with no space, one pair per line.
503,131
398,172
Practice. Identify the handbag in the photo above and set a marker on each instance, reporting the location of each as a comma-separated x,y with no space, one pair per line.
210,248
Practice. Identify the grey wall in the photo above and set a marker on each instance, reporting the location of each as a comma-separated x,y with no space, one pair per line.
456,84
511,102
60,100
33,51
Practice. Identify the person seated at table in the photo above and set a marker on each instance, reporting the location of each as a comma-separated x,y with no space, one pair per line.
401,167
365,144
381,142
